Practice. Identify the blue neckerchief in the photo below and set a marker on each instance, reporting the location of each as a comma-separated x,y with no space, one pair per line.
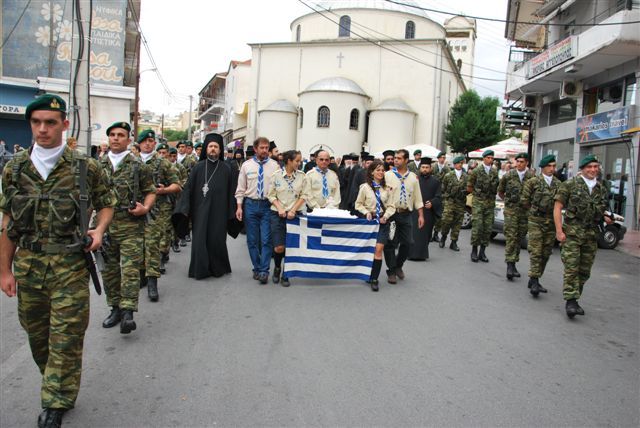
260,186
403,189
325,185
376,191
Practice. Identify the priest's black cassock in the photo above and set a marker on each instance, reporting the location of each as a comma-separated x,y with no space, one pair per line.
430,190
211,212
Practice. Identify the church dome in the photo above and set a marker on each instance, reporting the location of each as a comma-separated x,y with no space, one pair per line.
394,104
335,84
372,4
281,105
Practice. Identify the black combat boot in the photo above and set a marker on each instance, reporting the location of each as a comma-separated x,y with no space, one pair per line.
474,253
127,325
152,289
572,308
174,246
51,418
163,268
436,238
516,274
541,288
113,319
183,243
454,246
534,287
510,267
579,309
481,255
143,278
443,241
188,238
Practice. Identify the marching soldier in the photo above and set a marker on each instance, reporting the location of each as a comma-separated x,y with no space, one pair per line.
515,216
483,183
185,159
183,174
537,197
584,201
48,190
440,170
166,181
454,192
133,186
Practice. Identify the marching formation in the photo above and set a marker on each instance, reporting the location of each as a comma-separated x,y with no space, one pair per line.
149,199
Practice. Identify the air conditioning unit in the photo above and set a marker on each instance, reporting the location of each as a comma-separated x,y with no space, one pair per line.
611,94
570,89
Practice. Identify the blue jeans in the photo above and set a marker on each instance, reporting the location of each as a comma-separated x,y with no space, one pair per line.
257,220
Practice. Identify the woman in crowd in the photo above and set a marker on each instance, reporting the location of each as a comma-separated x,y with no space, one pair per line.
375,202
286,197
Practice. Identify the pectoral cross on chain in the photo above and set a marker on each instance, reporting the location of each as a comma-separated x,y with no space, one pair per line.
205,189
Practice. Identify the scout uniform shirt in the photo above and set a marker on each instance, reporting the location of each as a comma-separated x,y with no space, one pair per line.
366,201
410,199
287,190
314,189
248,179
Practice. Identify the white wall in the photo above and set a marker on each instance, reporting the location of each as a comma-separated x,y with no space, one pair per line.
390,130
280,127
105,111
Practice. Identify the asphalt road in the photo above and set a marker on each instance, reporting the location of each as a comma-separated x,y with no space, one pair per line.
455,344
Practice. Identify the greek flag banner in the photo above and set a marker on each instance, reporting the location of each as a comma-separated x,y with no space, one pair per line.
327,247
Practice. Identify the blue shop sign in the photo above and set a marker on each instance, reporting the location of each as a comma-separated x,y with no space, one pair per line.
603,126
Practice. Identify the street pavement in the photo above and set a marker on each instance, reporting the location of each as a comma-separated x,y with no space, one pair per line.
453,345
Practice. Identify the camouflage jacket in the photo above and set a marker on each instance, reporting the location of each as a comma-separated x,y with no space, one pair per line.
45,214
123,183
188,162
484,185
582,210
440,173
539,197
454,190
511,186
183,173
163,173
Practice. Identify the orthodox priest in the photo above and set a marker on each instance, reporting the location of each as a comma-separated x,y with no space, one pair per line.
432,210
207,199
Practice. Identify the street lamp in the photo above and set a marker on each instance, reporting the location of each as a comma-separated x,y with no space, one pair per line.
136,114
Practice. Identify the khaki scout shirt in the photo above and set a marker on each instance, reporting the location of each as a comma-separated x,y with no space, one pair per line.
414,197
248,179
286,190
366,201
313,189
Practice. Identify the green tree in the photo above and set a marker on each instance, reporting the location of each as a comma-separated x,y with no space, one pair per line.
472,123
173,135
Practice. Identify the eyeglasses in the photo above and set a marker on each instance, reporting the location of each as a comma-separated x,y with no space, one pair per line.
322,159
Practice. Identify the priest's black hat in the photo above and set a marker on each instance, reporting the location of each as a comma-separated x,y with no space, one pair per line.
272,145
213,137
388,153
425,161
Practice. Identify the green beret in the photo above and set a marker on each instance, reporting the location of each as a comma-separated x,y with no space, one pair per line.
188,143
197,145
180,143
123,125
458,159
147,133
441,154
49,102
488,153
417,152
546,160
173,150
162,146
522,155
587,160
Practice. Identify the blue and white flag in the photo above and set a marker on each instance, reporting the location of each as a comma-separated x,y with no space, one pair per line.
326,247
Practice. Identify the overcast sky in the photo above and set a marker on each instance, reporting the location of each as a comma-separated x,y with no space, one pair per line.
191,40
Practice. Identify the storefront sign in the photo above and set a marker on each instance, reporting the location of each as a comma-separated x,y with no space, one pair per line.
7,109
555,55
602,126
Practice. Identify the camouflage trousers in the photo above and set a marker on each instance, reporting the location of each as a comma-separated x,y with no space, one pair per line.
437,227
166,228
542,237
483,214
152,237
452,217
53,308
122,270
578,253
515,230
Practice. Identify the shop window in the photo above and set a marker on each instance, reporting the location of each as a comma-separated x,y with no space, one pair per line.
562,111
345,26
410,30
630,91
610,96
324,117
354,118
301,117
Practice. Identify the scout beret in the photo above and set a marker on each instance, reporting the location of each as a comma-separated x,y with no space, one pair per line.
425,161
441,154
388,153
417,152
180,143
458,159
162,146
522,155
197,145
546,160
49,102
173,150
147,133
587,160
188,143
488,153
123,125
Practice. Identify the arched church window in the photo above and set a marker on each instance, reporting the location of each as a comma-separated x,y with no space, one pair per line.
410,30
298,29
345,26
301,117
459,64
324,117
354,118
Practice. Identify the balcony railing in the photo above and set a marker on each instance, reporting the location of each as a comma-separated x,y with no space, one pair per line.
519,57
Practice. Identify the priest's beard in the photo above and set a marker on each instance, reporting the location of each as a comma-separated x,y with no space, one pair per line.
212,158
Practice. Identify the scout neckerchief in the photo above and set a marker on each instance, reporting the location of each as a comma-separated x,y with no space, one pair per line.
288,180
260,176
376,190
325,185
403,189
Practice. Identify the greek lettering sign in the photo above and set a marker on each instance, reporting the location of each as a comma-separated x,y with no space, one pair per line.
555,55
41,44
602,126
7,109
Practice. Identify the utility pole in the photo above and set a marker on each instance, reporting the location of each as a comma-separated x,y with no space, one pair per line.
79,91
190,108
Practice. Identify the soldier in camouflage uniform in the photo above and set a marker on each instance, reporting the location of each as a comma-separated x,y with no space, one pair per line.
133,185
439,170
454,192
190,158
538,196
584,200
45,189
166,236
166,181
515,216
183,174
483,183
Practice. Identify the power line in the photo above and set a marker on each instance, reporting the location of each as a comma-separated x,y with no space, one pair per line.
507,21
16,24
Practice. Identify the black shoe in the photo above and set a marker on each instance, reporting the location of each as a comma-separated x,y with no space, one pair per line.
541,288
51,418
183,243
164,257
285,282
163,268
572,308
516,274
256,275
482,256
534,287
400,272
152,289
510,271
474,253
579,309
374,284
113,319
127,325
143,279
175,247
443,241
188,238
263,278
436,238
392,278
276,275
454,246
